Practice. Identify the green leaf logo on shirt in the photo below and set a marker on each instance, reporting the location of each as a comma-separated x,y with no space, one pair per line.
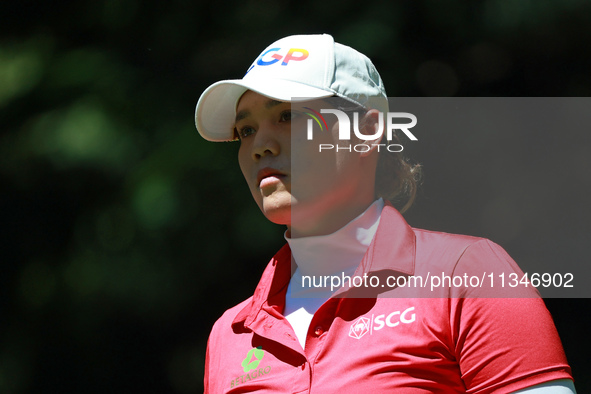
249,363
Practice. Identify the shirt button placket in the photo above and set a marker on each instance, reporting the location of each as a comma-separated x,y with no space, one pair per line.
302,384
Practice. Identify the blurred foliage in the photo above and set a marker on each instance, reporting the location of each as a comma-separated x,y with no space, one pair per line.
124,235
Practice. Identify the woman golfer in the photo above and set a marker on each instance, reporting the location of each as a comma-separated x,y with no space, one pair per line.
350,304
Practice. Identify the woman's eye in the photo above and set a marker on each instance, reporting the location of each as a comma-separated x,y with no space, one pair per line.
246,131
287,116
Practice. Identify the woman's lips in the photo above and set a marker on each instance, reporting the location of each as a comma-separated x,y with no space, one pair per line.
270,180
269,176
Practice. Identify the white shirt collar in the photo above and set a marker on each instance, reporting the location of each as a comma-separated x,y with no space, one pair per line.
340,251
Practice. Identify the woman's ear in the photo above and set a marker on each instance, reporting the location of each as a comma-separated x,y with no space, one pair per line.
372,124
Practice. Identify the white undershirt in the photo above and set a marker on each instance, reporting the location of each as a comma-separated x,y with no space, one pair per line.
333,254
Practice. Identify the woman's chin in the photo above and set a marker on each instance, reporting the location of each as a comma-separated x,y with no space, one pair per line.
276,212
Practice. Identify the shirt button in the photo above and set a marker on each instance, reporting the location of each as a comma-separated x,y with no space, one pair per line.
318,331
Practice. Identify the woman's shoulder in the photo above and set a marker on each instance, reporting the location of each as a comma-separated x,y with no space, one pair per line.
229,317
441,236
442,243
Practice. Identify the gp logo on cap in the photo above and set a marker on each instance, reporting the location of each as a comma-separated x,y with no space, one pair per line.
295,54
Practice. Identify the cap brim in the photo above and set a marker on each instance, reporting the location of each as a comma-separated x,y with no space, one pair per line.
215,113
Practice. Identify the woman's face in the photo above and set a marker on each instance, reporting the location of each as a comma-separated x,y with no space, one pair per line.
264,128
292,182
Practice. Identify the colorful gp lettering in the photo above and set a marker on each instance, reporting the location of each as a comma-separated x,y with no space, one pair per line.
270,56
296,54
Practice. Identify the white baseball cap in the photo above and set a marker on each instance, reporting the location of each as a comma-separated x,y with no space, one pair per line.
294,68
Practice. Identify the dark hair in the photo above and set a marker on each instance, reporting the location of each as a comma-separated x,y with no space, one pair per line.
397,180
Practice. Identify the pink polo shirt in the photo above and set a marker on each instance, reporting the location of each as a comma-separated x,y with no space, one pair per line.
394,339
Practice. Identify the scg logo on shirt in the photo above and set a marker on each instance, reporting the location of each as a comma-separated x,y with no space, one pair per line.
365,325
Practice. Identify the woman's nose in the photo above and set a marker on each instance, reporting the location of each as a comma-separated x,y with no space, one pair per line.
265,143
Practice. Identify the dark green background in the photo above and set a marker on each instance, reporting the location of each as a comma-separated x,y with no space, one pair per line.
125,235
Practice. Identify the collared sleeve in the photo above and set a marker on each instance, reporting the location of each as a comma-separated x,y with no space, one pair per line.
504,344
